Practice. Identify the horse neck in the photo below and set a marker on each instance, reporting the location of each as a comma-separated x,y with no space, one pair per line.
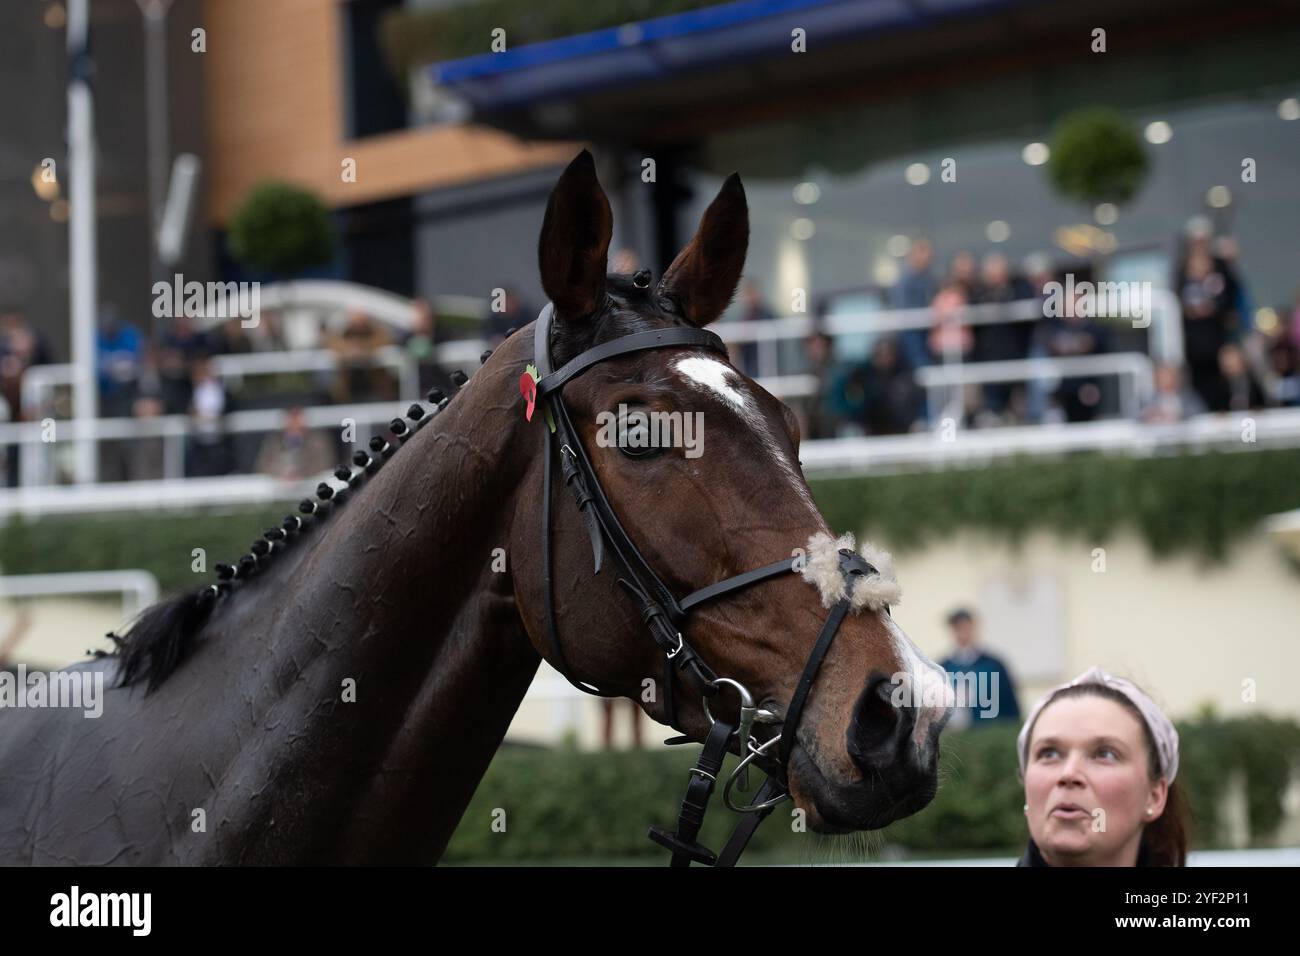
404,595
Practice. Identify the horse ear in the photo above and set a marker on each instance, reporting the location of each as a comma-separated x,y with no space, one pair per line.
573,249
704,276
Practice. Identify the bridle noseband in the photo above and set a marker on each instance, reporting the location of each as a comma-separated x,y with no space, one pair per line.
663,614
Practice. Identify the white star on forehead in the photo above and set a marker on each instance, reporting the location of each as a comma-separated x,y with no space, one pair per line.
714,375
724,382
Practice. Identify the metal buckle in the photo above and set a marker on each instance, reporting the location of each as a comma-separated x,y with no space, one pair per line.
704,773
677,650
748,711
741,768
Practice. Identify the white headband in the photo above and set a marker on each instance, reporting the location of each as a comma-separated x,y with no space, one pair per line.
1162,731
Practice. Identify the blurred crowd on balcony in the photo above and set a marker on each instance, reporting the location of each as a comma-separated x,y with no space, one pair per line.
1231,362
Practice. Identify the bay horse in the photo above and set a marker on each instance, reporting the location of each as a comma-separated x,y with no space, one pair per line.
337,700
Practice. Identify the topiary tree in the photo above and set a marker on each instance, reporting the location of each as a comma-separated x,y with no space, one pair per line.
281,228
1097,156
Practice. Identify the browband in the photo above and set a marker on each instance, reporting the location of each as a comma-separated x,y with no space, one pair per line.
636,342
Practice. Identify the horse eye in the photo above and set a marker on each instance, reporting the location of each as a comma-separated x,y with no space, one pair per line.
634,439
640,452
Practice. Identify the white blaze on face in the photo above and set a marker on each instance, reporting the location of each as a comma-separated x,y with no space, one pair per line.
932,695
720,380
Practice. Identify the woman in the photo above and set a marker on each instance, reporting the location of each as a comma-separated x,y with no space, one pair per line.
1098,760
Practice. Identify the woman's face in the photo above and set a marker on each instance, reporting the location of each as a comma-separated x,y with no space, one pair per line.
1087,783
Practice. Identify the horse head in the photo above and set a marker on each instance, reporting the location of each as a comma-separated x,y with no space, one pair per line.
728,496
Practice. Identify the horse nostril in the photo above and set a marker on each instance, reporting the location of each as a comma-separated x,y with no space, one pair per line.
880,727
881,698
877,726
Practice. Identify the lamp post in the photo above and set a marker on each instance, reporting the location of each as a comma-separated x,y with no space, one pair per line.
155,73
83,290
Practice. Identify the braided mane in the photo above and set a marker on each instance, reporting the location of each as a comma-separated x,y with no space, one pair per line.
163,636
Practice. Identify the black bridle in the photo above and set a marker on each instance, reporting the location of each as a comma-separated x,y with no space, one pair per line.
663,614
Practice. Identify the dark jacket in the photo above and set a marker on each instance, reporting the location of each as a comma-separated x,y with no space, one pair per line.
1032,857
987,664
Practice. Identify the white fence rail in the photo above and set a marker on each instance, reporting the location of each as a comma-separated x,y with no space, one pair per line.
1135,371
919,450
139,589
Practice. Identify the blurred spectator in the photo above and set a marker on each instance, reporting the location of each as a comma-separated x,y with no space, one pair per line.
1038,273
950,341
8,453
359,377
964,272
267,335
949,338
1293,327
21,347
891,398
985,690
1208,298
181,344
1002,341
209,447
120,354
146,462
752,309
230,338
1236,389
1172,401
420,345
136,459
514,315
823,413
1284,362
1073,334
916,290
297,452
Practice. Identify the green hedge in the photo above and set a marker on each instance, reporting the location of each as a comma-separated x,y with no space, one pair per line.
1194,503
160,543
567,804
1179,504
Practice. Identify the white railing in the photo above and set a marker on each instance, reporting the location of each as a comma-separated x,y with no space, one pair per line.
825,458
36,470
172,494
1135,371
1275,428
40,380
